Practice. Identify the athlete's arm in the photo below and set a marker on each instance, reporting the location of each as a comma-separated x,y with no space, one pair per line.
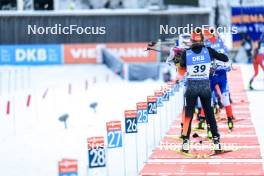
172,55
183,60
218,56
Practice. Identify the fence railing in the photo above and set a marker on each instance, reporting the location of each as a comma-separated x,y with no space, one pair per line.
124,148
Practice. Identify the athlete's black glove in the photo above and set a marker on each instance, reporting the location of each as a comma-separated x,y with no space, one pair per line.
151,44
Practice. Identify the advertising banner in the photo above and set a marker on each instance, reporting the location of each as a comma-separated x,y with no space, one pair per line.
132,52
74,53
30,54
247,20
82,53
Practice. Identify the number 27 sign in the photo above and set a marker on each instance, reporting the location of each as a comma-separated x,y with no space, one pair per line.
114,134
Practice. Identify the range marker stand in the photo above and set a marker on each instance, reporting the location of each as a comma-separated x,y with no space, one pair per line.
68,167
165,99
160,113
177,98
96,156
152,111
170,105
172,88
131,143
142,120
115,152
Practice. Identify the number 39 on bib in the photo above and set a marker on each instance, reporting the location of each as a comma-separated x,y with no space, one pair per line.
131,121
114,134
198,65
96,152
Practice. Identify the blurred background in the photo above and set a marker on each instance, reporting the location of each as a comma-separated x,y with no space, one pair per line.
58,90
128,20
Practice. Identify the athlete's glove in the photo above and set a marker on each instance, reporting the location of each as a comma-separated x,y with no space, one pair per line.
151,44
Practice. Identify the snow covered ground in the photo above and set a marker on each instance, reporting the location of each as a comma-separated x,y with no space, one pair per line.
255,98
32,140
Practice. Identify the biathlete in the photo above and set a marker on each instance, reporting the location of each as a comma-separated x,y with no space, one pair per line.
183,43
197,61
218,77
257,61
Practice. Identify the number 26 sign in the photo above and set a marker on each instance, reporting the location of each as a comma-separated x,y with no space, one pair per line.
131,121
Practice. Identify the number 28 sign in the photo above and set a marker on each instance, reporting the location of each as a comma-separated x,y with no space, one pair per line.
96,152
131,121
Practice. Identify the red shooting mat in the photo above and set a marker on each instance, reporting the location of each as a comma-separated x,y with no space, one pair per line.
167,160
200,169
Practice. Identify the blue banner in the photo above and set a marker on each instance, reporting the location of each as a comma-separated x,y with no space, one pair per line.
248,20
30,54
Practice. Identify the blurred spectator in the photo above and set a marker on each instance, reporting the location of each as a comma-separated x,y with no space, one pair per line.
257,61
166,75
28,5
248,46
8,5
72,5
43,5
97,4
114,4
108,4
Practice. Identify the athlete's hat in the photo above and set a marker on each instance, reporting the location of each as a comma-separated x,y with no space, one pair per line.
197,35
206,32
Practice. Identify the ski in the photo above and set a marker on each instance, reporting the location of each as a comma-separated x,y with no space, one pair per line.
188,155
219,153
